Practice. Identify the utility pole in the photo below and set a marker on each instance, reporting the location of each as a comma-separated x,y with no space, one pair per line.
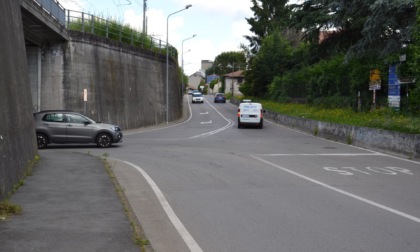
144,16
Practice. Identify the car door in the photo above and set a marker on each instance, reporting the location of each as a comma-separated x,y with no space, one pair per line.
55,127
79,129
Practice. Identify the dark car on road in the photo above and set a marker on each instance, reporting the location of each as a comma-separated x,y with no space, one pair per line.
219,97
64,127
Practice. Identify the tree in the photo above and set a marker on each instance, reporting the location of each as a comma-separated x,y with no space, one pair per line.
358,27
273,59
269,16
227,62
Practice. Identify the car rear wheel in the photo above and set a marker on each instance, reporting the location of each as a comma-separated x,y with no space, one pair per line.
42,140
260,126
104,140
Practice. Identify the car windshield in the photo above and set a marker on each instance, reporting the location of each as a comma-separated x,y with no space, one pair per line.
197,95
251,108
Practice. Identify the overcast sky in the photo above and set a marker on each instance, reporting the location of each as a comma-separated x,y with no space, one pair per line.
219,25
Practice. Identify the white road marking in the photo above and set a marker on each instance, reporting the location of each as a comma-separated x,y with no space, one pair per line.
206,113
164,127
230,124
356,147
186,236
321,154
207,122
389,209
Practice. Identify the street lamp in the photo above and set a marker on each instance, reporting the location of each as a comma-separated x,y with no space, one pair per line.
167,61
182,61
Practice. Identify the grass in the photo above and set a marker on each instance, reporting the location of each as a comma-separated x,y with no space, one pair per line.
7,208
114,30
383,118
138,235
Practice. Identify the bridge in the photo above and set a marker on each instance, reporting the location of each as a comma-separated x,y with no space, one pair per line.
43,20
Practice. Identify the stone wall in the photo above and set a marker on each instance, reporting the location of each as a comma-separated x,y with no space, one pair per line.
17,134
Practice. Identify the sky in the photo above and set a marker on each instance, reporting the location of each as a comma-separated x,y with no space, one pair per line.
219,25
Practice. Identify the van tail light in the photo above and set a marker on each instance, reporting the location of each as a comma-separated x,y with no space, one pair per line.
239,112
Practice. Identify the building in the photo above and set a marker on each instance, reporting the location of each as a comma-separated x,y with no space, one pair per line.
206,64
195,79
233,81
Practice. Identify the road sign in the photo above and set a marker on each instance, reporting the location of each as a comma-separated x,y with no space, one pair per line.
375,79
393,88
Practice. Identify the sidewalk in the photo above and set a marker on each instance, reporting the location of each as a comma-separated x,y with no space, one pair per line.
69,204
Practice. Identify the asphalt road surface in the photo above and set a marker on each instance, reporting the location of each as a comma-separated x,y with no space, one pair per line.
271,189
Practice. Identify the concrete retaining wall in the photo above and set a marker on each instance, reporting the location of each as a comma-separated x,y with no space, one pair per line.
405,145
126,85
17,134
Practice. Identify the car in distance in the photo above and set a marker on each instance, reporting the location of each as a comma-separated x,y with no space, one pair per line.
219,97
197,98
64,127
195,91
250,114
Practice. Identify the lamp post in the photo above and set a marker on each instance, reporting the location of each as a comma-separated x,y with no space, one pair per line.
167,61
182,62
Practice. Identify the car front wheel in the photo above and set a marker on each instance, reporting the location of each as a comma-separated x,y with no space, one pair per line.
42,140
104,140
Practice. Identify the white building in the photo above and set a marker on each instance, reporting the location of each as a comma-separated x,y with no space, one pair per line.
233,81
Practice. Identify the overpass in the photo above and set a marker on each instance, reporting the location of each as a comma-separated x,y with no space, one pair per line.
43,20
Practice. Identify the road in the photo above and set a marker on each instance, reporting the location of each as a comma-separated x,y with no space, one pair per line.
271,189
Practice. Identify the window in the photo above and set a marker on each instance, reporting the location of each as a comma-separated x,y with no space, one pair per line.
53,117
75,118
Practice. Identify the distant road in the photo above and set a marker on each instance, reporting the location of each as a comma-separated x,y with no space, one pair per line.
271,189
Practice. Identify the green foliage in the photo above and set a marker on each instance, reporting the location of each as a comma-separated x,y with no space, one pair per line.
114,30
7,208
269,16
228,62
272,60
383,118
213,83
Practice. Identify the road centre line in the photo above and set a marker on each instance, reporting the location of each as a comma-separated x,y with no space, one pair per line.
183,232
230,124
389,209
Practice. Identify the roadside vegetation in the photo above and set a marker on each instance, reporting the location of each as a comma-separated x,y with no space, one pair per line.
8,208
114,30
315,59
382,118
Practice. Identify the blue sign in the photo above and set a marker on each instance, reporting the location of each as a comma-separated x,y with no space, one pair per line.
393,87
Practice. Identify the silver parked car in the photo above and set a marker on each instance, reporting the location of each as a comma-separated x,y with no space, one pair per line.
59,126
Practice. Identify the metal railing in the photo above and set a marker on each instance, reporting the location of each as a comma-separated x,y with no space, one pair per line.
54,8
111,29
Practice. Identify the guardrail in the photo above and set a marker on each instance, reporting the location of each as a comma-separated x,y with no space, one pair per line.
54,8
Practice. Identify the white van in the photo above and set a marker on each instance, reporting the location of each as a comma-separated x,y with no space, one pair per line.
250,114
